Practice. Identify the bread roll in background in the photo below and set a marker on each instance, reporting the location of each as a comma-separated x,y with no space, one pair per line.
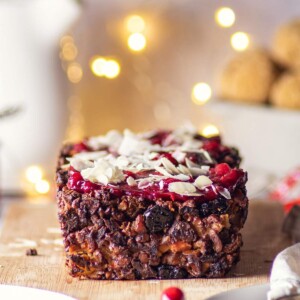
286,45
248,77
285,92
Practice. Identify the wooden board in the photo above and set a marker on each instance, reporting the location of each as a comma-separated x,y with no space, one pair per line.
27,224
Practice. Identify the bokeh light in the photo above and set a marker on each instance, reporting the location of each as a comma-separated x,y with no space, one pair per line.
135,24
201,93
137,42
69,52
102,67
210,130
112,69
34,173
74,72
240,41
98,66
66,39
42,186
225,17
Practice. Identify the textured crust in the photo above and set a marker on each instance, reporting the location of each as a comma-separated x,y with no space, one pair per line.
108,237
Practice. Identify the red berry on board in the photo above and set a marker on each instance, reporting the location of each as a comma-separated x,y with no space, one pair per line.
172,293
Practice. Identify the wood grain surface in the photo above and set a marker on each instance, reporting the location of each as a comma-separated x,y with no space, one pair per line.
29,225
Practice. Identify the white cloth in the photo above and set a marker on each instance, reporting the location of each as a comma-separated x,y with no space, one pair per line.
285,275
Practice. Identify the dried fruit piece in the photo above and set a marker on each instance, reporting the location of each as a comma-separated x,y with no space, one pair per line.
158,218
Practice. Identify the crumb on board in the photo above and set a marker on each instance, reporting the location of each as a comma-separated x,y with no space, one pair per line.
31,252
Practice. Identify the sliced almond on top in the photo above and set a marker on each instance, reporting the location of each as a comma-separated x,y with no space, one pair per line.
170,167
181,177
163,171
190,164
202,181
184,170
225,193
182,188
131,181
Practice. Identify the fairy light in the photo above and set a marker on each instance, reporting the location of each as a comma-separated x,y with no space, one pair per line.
66,39
98,66
201,93
225,17
209,131
135,23
137,42
102,67
239,41
112,69
69,52
33,174
42,186
74,72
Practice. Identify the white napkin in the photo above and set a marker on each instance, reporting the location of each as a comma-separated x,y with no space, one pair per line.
285,275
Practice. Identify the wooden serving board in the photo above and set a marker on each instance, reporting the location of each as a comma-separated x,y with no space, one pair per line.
28,225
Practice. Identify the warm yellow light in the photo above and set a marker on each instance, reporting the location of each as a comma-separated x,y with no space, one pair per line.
69,52
137,42
201,93
225,17
240,41
112,69
42,186
98,66
34,174
66,39
74,72
102,67
210,130
135,24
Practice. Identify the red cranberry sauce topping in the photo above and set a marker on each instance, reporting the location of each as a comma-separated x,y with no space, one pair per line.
222,177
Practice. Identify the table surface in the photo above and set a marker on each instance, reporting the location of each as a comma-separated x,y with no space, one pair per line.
31,225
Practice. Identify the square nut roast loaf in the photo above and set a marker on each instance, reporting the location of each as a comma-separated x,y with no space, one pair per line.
159,204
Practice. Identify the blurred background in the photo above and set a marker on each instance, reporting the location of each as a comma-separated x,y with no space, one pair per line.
70,69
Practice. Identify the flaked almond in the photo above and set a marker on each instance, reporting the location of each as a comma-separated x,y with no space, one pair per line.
197,171
202,181
163,171
206,155
131,181
181,177
169,166
190,164
182,188
144,183
184,170
225,193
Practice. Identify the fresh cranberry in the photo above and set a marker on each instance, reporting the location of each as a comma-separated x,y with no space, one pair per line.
172,293
80,147
211,146
222,169
230,178
88,186
159,137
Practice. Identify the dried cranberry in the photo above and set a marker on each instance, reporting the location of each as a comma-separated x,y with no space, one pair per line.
182,231
158,218
172,293
171,272
218,206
